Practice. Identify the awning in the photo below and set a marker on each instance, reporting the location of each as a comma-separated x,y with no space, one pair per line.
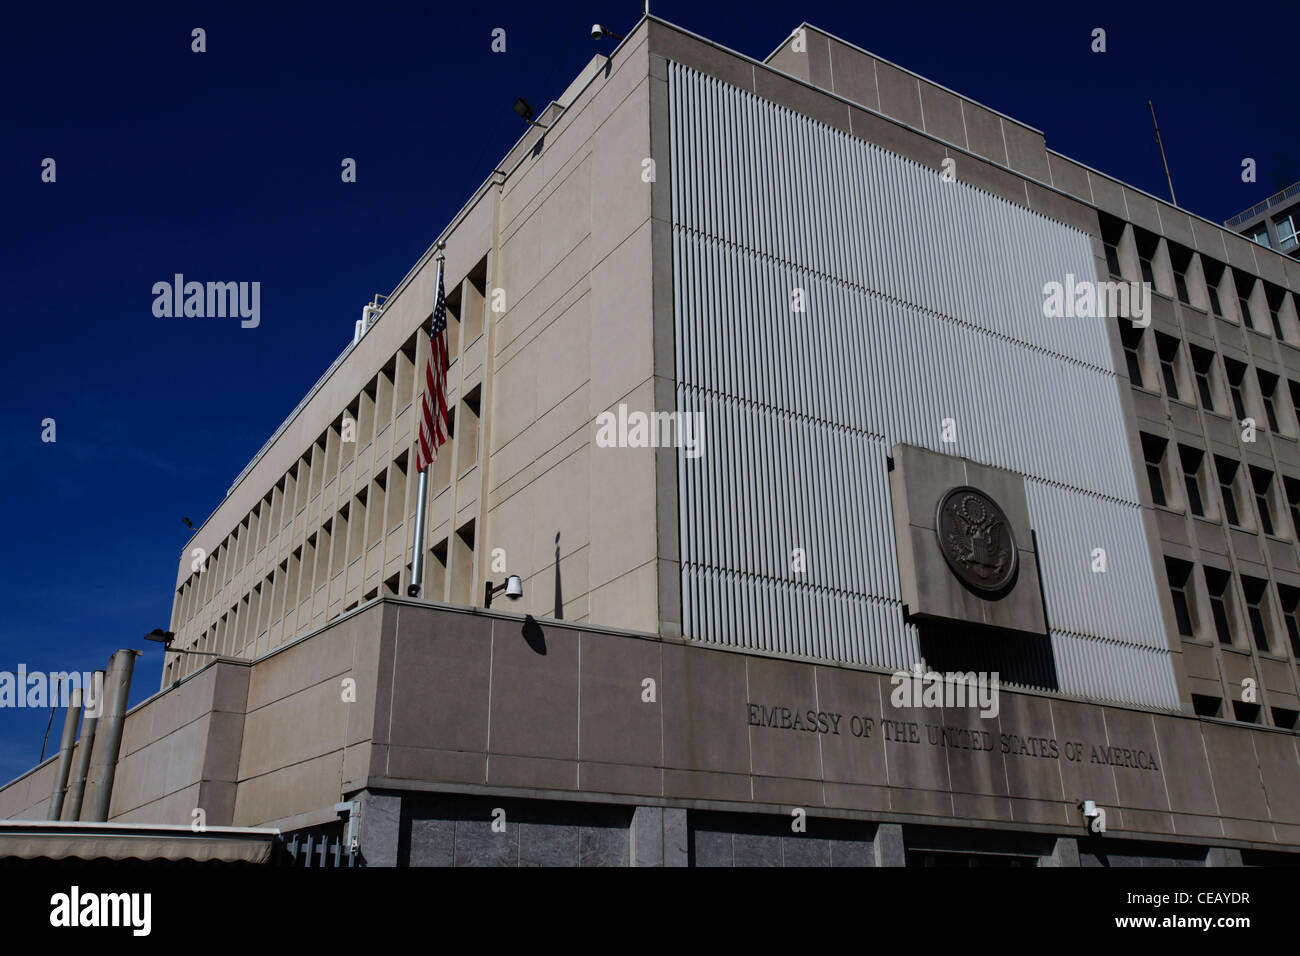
33,839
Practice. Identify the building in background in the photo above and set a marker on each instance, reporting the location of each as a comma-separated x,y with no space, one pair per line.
819,282
1274,222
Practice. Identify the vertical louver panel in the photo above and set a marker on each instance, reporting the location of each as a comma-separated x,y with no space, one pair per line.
922,302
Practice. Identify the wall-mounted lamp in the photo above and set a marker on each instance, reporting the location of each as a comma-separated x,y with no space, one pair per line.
525,111
598,32
165,638
513,586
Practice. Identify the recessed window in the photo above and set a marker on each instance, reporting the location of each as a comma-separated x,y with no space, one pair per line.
1262,481
1213,276
1153,449
1216,588
1244,283
1227,472
1286,719
1180,259
1112,259
1179,572
1205,706
1236,376
1191,461
1267,389
1291,487
1131,336
1256,611
1290,600
1244,712
1203,366
1167,346
1146,246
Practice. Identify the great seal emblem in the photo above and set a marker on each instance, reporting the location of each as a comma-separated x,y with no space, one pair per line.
976,540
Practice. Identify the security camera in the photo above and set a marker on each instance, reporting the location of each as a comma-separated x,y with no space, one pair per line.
513,586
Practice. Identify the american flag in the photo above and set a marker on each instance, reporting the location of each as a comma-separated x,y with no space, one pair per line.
433,403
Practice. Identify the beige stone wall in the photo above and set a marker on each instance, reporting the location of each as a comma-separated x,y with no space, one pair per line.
319,525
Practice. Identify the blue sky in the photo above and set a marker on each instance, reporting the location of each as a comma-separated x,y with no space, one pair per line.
225,166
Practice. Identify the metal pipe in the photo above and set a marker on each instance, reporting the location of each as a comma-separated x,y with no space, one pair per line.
65,753
117,689
417,546
88,727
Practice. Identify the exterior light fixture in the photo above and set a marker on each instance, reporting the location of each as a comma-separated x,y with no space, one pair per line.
165,638
513,586
598,32
525,111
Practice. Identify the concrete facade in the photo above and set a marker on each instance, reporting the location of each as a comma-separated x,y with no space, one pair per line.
616,724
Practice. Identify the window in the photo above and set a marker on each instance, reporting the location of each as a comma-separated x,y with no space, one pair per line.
1180,259
1227,471
1112,259
1244,284
1294,388
1286,719
1256,612
1207,706
1179,572
1131,336
1245,312
1286,232
1167,346
1236,375
1244,712
1292,489
1267,389
1216,586
1213,273
1258,234
1191,462
1144,260
1262,480
1153,449
1203,365
1290,598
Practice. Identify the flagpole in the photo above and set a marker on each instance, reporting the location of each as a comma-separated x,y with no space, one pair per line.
422,496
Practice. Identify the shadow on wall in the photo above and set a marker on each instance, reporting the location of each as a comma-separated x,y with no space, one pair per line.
534,636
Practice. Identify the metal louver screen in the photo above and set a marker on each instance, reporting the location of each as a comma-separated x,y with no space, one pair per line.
923,301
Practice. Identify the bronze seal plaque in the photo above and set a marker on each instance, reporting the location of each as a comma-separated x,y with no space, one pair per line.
976,540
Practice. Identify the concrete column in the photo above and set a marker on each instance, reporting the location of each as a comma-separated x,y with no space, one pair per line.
658,837
1064,853
379,827
888,845
1223,856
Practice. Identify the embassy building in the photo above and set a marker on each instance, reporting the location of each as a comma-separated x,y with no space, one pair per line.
833,275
